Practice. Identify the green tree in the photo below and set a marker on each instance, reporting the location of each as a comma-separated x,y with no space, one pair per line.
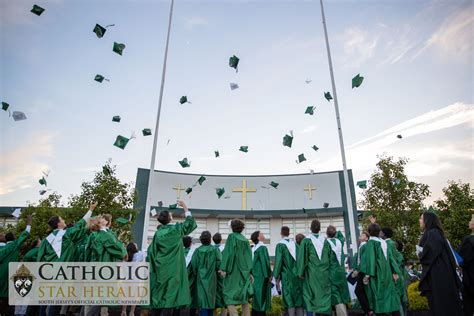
455,210
396,201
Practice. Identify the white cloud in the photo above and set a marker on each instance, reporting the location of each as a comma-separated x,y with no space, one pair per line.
308,129
195,22
359,46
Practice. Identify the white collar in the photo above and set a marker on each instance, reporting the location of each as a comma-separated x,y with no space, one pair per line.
337,248
383,244
318,243
290,244
2,244
255,247
104,229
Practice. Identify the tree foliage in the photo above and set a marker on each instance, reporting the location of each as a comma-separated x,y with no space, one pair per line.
455,210
396,201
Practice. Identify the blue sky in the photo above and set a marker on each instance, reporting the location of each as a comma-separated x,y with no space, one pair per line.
416,57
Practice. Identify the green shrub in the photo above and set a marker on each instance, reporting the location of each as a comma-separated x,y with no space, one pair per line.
277,306
416,302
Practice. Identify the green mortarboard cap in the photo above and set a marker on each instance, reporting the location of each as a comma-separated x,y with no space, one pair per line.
106,170
399,136
122,220
274,184
189,190
234,62
357,81
121,142
183,99
287,140
116,118
18,116
310,110
244,149
42,192
118,48
216,153
99,30
201,179
328,96
160,203
99,78
42,181
301,158
37,10
173,206
362,184
233,86
316,148
184,163
326,205
146,132
5,106
220,192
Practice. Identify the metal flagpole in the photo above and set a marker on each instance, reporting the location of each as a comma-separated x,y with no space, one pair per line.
146,219
350,209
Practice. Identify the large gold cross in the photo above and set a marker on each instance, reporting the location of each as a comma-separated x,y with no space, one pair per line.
244,191
310,190
178,189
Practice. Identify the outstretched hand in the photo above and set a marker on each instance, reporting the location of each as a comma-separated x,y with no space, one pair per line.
372,219
183,205
92,206
29,220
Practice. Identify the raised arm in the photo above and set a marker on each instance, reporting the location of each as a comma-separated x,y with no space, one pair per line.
189,223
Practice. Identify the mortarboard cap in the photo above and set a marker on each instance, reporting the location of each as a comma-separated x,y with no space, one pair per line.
201,179
234,62
37,10
233,86
173,206
308,80
153,212
122,220
301,158
118,48
18,116
189,190
244,149
288,140
216,153
17,212
328,96
184,163
42,192
121,142
357,81
99,30
160,203
116,118
326,205
42,181
146,132
5,106
220,192
316,148
183,100
274,184
99,78
399,136
362,184
310,110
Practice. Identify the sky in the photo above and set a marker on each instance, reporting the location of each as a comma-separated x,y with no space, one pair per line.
416,58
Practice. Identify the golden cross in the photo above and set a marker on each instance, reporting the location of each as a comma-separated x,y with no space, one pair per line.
310,190
178,189
244,191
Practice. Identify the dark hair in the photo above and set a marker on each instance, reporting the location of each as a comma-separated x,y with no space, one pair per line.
254,237
237,225
53,222
315,226
69,225
387,232
187,241
399,245
331,231
131,250
285,231
374,230
164,217
431,221
205,237
10,236
299,238
217,238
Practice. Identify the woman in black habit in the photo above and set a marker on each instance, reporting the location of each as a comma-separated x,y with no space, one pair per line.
439,281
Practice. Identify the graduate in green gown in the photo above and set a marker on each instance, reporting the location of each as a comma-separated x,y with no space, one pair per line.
104,246
360,288
32,254
380,269
61,244
205,264
236,268
285,273
217,239
313,265
189,249
168,276
262,275
339,289
10,253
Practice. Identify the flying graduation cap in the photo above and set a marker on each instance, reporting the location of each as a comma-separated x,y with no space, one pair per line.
18,116
184,163
16,213
244,149
216,153
146,132
220,192
308,81
5,106
118,48
173,206
201,180
301,158
183,100
399,136
310,110
362,184
274,184
233,86
189,190
328,96
121,141
100,78
37,10
116,118
234,62
42,181
316,148
357,81
123,220
326,205
42,192
288,140
99,30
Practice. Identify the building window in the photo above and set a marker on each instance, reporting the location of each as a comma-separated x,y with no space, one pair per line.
251,225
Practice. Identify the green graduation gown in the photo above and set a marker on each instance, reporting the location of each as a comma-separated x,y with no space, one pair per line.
31,255
262,286
339,288
313,263
168,276
285,270
381,292
220,280
237,263
204,266
71,237
9,253
400,283
105,247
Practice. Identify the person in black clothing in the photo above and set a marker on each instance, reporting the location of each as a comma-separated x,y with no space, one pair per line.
439,281
466,250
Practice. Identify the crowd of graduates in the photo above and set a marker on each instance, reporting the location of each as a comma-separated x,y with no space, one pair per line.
309,272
